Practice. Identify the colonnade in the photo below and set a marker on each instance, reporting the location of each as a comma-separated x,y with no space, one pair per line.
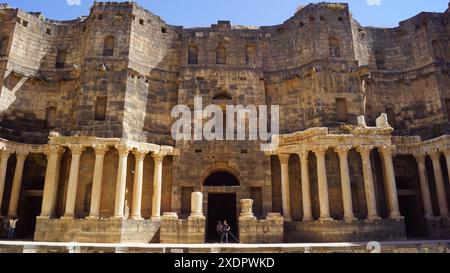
435,156
54,154
21,156
386,152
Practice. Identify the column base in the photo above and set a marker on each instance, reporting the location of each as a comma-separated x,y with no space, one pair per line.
350,219
93,217
67,217
196,216
373,218
43,217
119,217
326,219
287,218
137,218
156,218
307,219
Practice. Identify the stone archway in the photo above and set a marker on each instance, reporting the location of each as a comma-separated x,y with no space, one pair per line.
222,202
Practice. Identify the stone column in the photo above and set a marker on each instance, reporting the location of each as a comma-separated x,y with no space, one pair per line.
424,185
197,205
446,152
96,196
21,156
342,152
157,186
247,208
320,151
391,186
285,195
54,153
306,190
121,181
5,154
77,150
369,186
440,187
137,188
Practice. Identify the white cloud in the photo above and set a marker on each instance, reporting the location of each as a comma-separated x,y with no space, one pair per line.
78,2
374,2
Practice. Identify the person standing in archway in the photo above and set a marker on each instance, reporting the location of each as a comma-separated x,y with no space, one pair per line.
219,230
226,228
12,227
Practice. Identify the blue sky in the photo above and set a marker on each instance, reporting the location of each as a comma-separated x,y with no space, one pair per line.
189,13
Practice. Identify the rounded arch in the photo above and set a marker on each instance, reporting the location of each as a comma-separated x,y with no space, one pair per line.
221,178
222,96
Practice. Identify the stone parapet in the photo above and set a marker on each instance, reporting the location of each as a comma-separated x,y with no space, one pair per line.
182,231
96,231
341,231
269,230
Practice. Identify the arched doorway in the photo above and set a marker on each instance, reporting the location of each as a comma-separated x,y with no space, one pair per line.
221,205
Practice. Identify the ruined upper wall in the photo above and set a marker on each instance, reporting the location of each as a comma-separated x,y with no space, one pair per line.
148,42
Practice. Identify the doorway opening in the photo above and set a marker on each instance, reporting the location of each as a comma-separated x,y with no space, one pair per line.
221,206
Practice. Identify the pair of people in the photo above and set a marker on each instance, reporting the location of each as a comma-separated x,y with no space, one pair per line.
11,226
222,231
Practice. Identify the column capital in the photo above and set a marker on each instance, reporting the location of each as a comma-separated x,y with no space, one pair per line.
364,149
284,158
320,150
387,150
54,150
76,149
100,148
6,151
445,150
420,156
140,154
342,150
434,154
22,154
159,157
123,150
303,155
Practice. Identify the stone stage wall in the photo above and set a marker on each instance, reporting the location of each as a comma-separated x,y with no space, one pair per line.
341,231
97,230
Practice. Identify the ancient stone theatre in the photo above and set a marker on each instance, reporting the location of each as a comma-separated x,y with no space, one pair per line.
87,153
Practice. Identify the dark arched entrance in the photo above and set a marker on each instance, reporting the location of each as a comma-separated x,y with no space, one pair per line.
221,205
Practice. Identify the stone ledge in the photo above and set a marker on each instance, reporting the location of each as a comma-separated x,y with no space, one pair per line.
341,231
97,230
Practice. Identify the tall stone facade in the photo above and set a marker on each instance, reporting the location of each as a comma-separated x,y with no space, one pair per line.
85,121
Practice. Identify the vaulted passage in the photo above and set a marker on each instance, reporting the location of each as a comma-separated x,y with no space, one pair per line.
221,206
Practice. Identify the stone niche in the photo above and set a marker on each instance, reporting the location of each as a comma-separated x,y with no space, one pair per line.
185,231
97,230
253,230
